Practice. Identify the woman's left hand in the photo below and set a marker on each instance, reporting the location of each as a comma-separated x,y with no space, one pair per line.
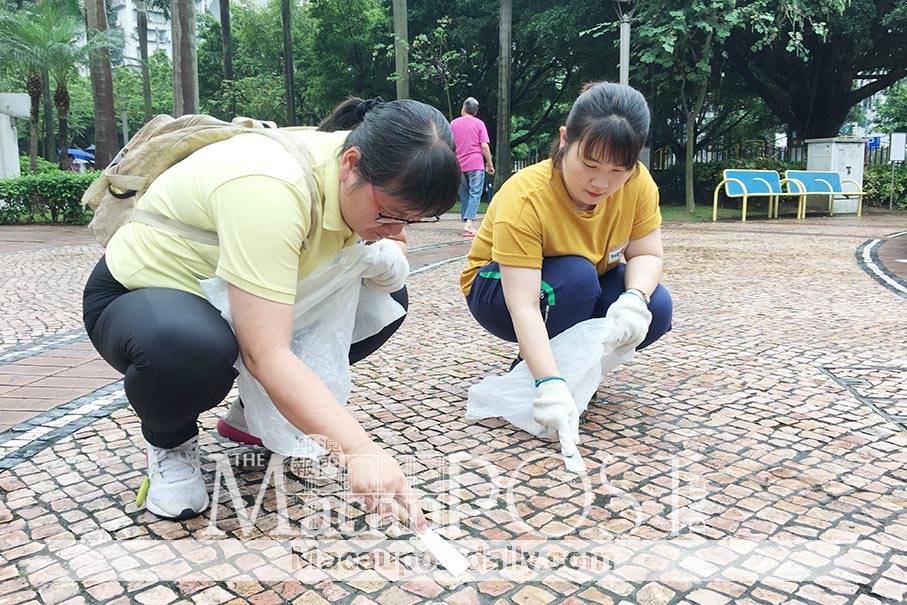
389,271
631,319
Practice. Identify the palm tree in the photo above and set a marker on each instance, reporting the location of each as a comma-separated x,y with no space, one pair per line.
26,40
185,57
105,122
141,8
66,54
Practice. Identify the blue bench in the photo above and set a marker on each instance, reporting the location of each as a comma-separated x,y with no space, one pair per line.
812,182
756,183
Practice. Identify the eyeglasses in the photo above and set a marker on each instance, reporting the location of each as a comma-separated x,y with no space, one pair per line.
384,219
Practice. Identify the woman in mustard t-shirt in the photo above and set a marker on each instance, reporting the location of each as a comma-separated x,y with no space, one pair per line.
374,167
548,253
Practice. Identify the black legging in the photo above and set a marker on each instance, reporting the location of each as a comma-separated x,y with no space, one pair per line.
175,351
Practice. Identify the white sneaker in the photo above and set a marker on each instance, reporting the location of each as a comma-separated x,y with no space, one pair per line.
176,488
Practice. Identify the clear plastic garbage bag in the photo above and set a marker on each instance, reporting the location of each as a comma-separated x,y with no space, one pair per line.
584,354
332,310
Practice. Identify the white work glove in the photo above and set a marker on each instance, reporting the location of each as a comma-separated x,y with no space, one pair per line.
556,411
390,269
631,319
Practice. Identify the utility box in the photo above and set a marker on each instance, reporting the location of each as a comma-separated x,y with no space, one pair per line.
844,155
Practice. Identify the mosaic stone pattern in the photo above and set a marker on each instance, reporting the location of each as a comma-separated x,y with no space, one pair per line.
757,454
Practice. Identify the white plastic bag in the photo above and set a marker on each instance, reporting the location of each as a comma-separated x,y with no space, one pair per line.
332,310
584,354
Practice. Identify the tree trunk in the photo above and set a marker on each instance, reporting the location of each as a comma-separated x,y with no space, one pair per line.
185,58
105,122
401,48
688,161
34,87
692,135
50,144
288,71
503,162
61,102
226,36
142,19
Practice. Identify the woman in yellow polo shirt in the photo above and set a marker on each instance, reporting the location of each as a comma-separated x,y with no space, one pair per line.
375,167
548,253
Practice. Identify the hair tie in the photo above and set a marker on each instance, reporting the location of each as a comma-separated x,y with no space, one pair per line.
366,106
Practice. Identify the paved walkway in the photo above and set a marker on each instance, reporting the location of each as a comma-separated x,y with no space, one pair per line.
755,455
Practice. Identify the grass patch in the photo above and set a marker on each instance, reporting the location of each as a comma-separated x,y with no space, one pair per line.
703,213
483,208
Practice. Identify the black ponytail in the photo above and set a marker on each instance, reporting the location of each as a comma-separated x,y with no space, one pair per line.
349,114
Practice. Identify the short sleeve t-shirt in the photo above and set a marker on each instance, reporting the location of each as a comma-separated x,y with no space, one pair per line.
532,217
253,194
469,133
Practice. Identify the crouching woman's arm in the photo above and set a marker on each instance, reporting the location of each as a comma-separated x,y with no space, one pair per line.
263,330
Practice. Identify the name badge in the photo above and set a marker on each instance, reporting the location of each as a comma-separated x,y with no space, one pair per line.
614,255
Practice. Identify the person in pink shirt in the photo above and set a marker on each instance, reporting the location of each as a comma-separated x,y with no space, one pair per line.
474,154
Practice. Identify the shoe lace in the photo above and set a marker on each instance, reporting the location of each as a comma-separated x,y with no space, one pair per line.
177,463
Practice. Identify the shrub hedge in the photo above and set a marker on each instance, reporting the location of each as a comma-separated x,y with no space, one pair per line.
43,165
877,185
50,197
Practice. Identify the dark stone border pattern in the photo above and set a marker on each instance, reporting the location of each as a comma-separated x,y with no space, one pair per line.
42,345
48,439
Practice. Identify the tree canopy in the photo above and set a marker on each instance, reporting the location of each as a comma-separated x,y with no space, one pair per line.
709,69
813,90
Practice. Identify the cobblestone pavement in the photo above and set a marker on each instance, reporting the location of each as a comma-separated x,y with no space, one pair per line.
755,455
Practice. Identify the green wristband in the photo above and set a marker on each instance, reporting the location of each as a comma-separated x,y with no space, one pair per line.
549,378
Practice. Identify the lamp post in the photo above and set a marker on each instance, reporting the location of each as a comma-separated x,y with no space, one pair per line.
625,10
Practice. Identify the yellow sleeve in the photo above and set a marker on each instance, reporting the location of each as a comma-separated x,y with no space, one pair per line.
517,237
647,216
261,222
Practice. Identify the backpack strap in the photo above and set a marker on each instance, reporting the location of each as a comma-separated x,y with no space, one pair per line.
132,185
184,230
300,153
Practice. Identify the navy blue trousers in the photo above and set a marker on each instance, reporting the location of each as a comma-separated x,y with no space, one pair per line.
572,291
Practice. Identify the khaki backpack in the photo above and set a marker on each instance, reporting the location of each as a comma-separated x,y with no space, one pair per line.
157,146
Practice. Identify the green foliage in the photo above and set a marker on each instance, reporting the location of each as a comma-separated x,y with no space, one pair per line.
261,97
44,166
210,60
81,112
127,90
864,43
258,86
877,185
892,114
344,57
46,197
536,146
432,59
